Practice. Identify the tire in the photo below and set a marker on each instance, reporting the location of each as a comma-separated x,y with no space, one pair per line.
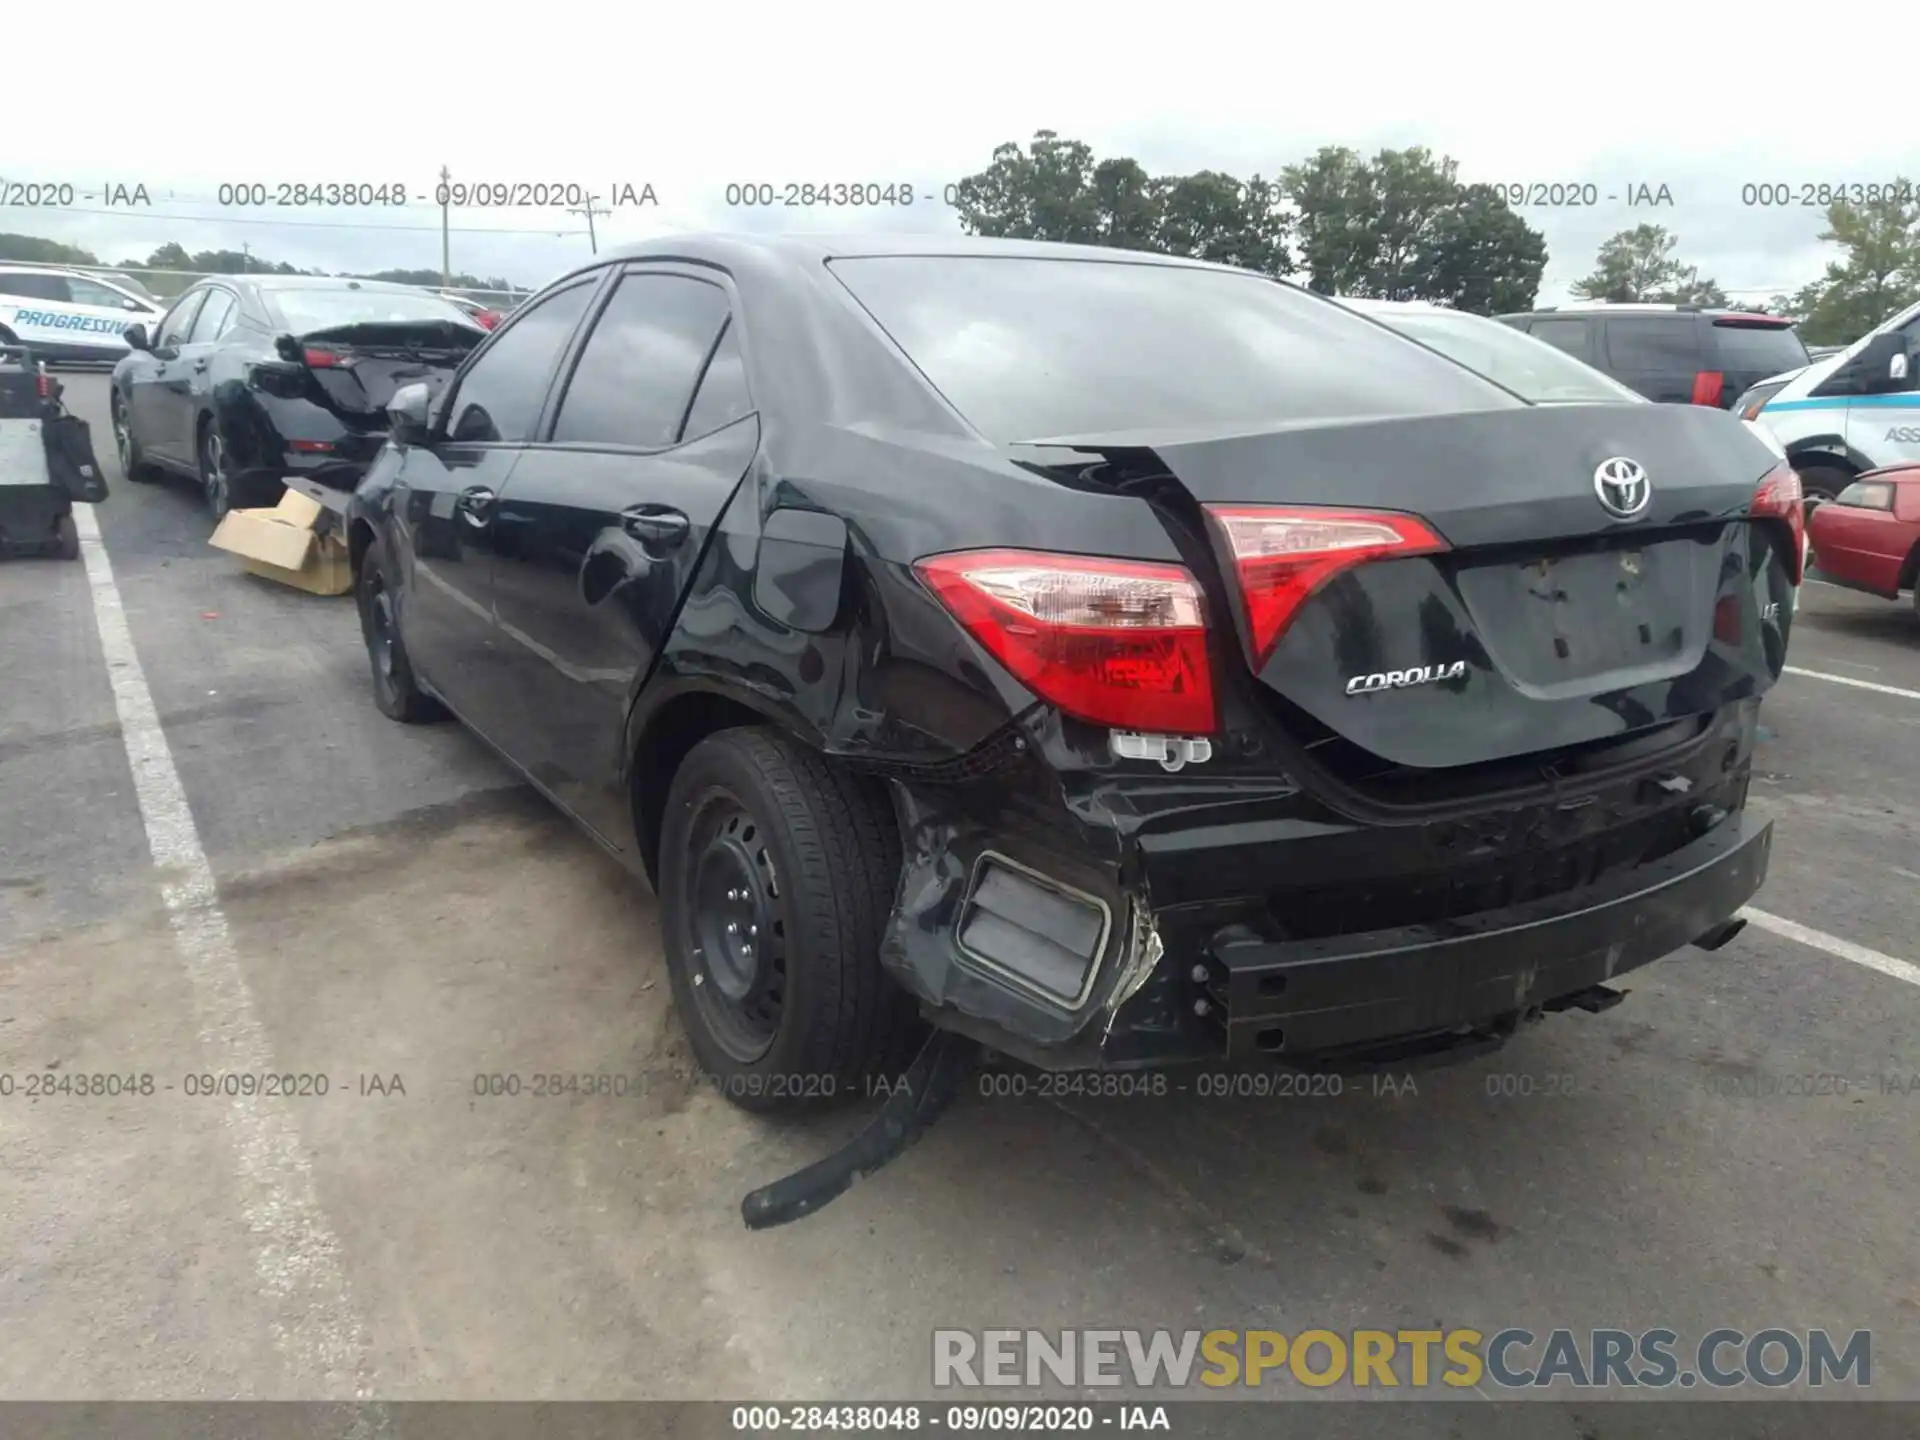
395,690
224,491
67,539
764,834
133,460
1823,482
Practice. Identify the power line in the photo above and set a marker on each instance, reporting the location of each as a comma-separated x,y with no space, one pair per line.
123,212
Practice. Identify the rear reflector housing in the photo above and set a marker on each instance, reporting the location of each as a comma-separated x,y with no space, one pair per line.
1120,643
1779,499
1032,930
1283,554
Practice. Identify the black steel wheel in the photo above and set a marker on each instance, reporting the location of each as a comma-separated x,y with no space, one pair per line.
395,690
66,539
738,928
777,876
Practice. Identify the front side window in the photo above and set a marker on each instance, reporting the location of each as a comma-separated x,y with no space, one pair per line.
173,330
90,292
499,398
214,316
637,372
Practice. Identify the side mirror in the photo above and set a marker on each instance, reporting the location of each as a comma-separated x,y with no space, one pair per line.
288,348
136,337
1882,364
409,420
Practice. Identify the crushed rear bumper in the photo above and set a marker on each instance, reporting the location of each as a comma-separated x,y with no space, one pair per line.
1204,979
1350,993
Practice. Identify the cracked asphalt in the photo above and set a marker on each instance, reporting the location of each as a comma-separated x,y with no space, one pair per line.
399,916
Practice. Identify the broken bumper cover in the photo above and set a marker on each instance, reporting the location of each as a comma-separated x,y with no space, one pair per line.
1323,997
1208,994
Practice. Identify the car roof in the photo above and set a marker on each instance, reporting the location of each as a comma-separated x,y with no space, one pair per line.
317,282
1400,306
1608,307
1905,471
720,247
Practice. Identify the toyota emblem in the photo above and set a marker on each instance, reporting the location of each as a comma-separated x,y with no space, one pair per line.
1623,488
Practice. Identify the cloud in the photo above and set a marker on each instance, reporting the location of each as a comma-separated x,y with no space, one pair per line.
379,94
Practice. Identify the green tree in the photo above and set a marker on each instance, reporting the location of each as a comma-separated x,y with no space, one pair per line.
1045,193
1213,216
1402,226
1877,276
1638,266
32,250
1056,190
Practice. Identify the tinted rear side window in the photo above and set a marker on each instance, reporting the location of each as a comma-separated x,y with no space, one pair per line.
1567,335
635,377
723,396
1654,343
1031,349
1769,349
36,287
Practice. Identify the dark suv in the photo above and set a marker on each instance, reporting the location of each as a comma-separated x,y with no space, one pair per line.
1677,353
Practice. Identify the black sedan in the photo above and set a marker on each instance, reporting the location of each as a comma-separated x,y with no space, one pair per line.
252,378
1114,659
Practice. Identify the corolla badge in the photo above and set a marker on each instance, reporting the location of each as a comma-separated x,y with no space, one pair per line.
1400,679
1623,487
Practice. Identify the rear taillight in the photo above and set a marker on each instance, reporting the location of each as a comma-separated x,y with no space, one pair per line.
1120,643
1708,386
42,381
1779,499
1283,555
488,319
320,359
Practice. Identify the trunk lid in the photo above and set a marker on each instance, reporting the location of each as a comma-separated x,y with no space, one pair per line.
359,366
1546,622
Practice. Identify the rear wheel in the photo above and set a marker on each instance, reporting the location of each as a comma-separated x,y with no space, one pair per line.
1820,483
66,536
133,460
777,875
395,689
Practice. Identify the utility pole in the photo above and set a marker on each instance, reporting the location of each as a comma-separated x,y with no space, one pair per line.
589,211
446,197
246,258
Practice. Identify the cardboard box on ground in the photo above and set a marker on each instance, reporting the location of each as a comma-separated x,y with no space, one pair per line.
298,542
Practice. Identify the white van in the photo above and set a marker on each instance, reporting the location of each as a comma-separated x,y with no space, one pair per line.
65,315
1847,413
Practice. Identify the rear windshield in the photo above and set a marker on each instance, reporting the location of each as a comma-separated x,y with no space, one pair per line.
1768,349
1031,349
1532,369
303,311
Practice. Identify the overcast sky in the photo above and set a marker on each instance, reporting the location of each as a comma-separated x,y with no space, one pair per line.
605,96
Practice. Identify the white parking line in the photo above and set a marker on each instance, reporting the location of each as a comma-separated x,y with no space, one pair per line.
1834,945
1873,685
296,1254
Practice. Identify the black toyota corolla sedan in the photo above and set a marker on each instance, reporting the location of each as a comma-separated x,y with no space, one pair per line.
1116,659
252,378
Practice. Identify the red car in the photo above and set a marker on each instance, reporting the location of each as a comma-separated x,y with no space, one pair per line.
1868,538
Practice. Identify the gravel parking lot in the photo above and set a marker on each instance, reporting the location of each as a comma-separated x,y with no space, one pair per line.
216,856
